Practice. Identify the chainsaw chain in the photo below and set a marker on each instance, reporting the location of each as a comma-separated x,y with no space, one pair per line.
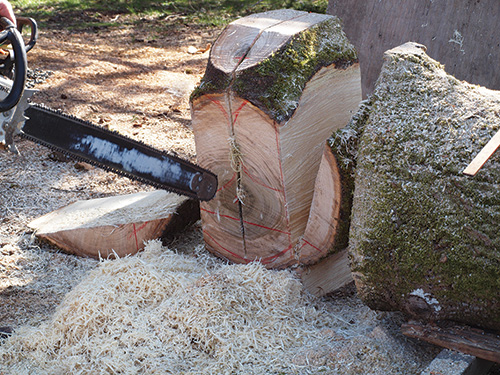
114,134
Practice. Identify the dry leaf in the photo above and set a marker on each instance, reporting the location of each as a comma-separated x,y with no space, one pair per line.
193,50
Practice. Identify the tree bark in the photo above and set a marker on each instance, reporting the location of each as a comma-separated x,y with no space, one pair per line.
424,236
277,85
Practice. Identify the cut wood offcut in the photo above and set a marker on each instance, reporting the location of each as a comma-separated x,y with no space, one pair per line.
115,226
276,86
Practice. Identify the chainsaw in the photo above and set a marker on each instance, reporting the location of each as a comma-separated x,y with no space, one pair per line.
81,139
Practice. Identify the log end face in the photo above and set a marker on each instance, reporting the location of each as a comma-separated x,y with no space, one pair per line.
276,83
409,48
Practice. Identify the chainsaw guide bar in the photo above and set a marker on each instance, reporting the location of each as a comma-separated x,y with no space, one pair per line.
114,152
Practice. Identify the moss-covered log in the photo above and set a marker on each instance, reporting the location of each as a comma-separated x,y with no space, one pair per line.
425,237
277,85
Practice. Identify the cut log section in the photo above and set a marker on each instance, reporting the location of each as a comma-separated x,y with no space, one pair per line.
115,226
424,236
276,87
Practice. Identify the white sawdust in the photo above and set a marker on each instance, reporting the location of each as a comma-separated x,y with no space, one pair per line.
167,313
114,210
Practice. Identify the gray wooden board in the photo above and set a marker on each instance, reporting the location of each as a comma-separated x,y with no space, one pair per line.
461,34
449,362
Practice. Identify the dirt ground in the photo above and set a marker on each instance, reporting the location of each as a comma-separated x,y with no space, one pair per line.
135,81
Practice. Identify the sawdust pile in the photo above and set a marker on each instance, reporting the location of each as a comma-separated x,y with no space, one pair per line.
167,313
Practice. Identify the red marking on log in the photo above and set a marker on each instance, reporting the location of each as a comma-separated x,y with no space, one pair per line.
228,183
240,58
246,222
310,244
135,235
236,114
263,261
274,257
221,107
258,181
219,215
136,230
268,228
226,250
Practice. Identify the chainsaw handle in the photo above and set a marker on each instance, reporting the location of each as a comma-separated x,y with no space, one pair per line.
26,21
20,62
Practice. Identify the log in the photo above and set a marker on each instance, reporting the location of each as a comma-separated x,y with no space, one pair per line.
461,34
473,341
115,226
277,85
424,236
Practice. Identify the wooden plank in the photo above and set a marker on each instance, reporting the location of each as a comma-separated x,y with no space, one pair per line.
449,362
483,155
115,225
461,34
476,342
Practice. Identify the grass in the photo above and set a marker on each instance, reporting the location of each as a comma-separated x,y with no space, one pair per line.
217,13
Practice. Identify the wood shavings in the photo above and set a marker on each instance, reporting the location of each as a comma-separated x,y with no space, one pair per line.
167,313
195,50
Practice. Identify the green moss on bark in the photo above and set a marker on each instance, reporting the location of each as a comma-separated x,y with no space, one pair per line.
344,146
422,230
214,81
276,84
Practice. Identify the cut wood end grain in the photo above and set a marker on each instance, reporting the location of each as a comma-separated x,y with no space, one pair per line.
277,85
115,226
